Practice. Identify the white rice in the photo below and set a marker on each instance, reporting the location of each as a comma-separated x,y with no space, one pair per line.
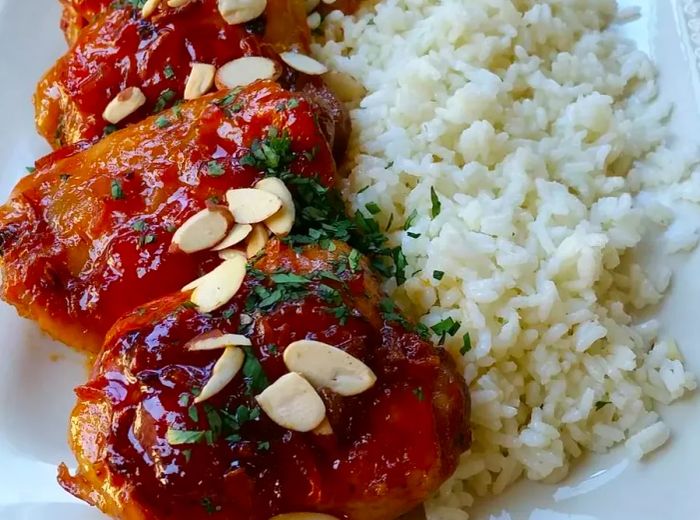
540,131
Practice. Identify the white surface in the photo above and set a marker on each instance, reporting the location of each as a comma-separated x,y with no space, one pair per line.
37,375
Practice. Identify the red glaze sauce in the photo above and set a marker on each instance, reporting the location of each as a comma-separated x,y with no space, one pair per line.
391,446
86,237
120,49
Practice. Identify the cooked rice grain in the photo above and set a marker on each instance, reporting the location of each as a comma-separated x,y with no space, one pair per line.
540,131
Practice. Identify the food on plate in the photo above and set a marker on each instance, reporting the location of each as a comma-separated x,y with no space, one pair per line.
302,392
504,145
88,236
121,53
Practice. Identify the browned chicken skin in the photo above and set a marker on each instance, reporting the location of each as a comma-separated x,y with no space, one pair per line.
389,449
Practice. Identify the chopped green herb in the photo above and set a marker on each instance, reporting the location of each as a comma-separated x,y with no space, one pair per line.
418,392
363,189
139,225
466,344
187,454
117,191
413,235
176,437
410,220
188,305
64,177
373,208
30,169
272,349
162,122
354,260
209,506
165,97
255,379
271,155
227,314
292,103
400,264
109,129
389,223
438,275
600,404
446,327
215,169
184,399
288,278
263,445
171,228
435,201
147,239
168,72
193,413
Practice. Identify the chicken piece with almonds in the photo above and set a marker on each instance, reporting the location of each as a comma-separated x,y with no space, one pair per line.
87,236
160,433
120,50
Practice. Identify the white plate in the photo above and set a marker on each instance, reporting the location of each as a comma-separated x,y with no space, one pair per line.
37,375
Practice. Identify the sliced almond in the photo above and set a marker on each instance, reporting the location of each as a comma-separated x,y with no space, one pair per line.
149,8
225,369
244,71
178,3
241,11
123,105
329,367
344,86
280,223
293,403
324,428
200,80
217,287
250,206
304,516
237,234
257,240
202,230
217,340
228,254
303,63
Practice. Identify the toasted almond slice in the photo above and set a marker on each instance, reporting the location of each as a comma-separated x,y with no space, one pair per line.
241,11
344,86
123,105
281,222
223,373
324,428
304,516
217,287
237,234
329,367
149,8
244,71
203,230
250,206
293,403
178,3
200,80
228,254
313,20
257,240
217,340
303,63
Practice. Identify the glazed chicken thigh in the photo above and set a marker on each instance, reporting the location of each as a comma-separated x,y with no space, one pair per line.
115,48
87,236
148,448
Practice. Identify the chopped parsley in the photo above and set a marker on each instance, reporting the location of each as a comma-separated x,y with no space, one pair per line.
446,327
418,392
177,437
436,206
410,220
116,189
162,122
165,97
64,177
109,129
413,235
255,379
466,344
373,208
168,72
263,445
215,169
30,169
272,154
139,225
438,275
601,404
